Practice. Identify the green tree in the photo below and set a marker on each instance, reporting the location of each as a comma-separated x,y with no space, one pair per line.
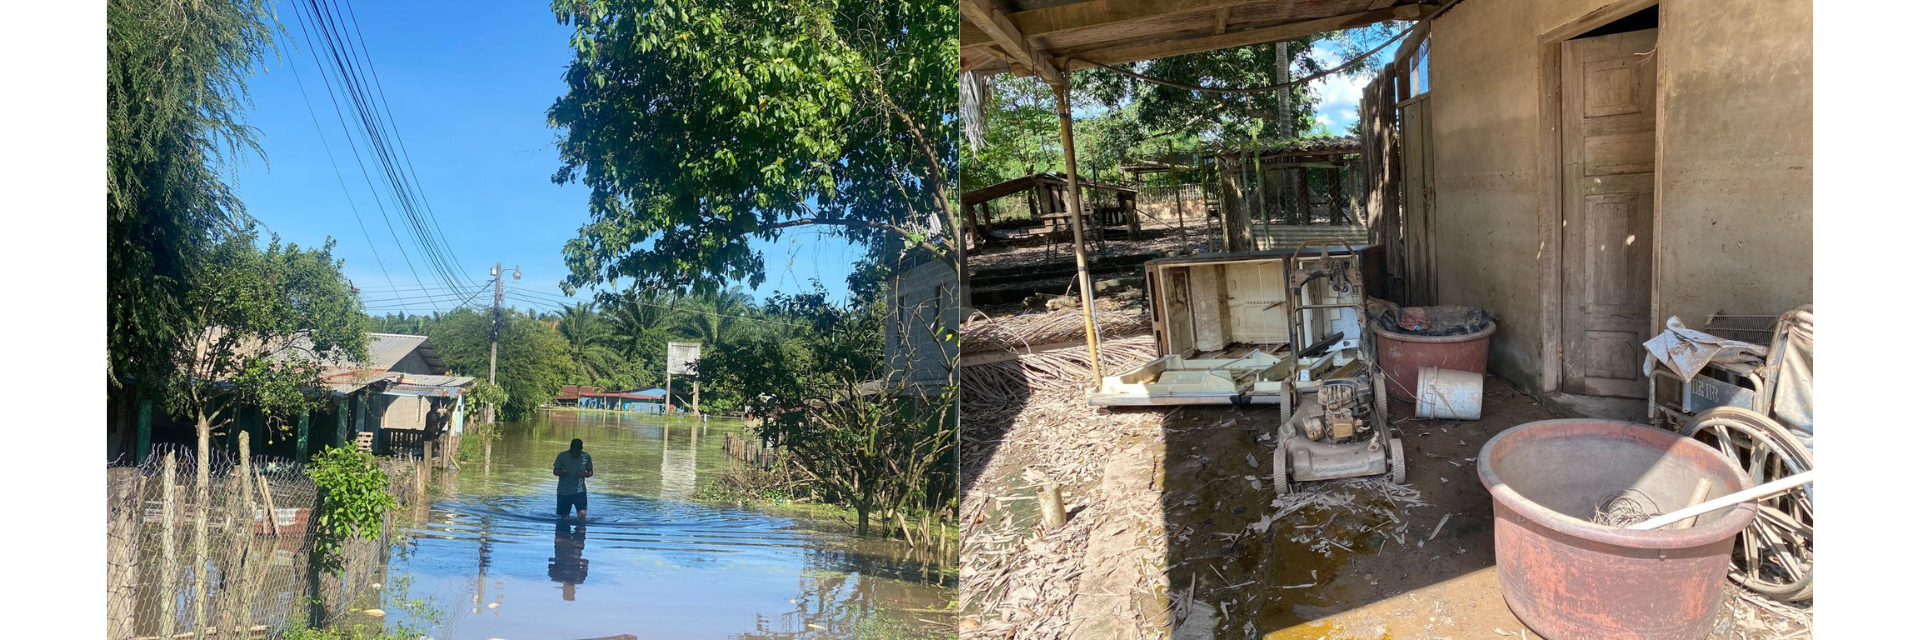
176,104
591,342
268,319
723,316
701,125
823,395
533,362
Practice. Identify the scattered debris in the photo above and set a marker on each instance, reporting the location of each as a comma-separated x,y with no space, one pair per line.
1625,509
1438,527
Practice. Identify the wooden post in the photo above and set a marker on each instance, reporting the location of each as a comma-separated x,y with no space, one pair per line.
1065,108
300,437
1302,198
143,431
202,493
1260,196
170,557
1053,510
126,511
1335,193
341,411
1179,193
667,400
238,526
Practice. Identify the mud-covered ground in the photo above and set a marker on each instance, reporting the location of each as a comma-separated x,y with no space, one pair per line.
1176,530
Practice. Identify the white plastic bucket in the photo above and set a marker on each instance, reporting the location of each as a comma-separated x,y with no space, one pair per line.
1448,395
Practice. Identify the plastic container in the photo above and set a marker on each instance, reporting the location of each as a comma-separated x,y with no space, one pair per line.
1403,354
1567,577
1446,394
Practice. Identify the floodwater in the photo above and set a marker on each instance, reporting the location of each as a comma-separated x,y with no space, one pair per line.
650,561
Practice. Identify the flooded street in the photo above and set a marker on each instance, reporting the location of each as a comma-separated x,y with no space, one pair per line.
650,561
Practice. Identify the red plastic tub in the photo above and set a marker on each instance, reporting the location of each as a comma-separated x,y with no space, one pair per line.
1402,355
1568,578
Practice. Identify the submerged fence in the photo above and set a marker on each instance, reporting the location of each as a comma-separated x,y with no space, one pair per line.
229,561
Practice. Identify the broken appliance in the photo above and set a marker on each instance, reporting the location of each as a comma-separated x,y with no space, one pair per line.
1282,328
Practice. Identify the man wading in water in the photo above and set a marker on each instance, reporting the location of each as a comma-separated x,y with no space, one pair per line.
573,467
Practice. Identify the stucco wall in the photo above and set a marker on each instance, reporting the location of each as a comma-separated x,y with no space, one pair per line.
1737,169
1485,70
1736,172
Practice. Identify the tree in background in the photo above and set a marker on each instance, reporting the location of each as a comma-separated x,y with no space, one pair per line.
702,125
591,342
176,103
822,394
265,321
268,321
533,362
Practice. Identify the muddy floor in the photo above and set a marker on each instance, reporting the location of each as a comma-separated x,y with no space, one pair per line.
1337,571
1176,530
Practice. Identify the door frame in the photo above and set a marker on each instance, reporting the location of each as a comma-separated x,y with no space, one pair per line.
1550,194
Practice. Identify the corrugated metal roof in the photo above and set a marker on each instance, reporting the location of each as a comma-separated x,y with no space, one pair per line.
387,349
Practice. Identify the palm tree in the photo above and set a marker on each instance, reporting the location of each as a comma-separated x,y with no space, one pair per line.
590,341
640,319
722,317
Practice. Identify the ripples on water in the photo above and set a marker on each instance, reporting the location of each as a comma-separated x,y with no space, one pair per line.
648,561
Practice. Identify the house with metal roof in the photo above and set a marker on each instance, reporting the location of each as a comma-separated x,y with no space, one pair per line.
401,398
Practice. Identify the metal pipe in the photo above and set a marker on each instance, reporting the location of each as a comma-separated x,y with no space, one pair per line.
1767,490
1065,108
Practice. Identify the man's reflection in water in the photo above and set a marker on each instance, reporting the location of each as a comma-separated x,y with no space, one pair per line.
567,567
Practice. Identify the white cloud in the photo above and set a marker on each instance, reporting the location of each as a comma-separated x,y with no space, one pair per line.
1338,96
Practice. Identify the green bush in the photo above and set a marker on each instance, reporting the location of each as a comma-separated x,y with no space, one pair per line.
353,500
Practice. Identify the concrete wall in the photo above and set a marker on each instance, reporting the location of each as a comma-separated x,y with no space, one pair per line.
1737,169
1736,172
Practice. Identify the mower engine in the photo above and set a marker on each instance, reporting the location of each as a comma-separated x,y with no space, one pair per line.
1337,434
1332,419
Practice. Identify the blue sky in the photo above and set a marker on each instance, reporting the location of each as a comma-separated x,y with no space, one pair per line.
468,85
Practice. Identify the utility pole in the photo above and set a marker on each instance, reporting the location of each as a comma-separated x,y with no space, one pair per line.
493,349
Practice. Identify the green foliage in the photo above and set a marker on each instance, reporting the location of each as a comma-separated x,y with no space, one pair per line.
821,393
1120,118
487,393
701,125
267,319
533,362
353,500
176,105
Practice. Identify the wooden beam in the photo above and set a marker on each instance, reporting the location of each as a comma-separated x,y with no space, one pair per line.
971,36
1010,39
1076,16
1220,21
1594,19
1290,31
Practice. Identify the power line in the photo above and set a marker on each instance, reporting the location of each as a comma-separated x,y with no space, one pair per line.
326,30
338,177
348,134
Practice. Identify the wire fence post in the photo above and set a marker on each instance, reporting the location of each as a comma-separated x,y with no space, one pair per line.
123,570
170,567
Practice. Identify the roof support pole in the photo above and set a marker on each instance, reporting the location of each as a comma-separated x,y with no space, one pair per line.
1061,93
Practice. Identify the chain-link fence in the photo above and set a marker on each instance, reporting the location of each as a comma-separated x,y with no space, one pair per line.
230,559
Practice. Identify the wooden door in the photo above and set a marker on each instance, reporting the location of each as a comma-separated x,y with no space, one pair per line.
1607,152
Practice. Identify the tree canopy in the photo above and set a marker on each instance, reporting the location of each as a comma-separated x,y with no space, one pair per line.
533,362
268,319
176,104
701,125
822,393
